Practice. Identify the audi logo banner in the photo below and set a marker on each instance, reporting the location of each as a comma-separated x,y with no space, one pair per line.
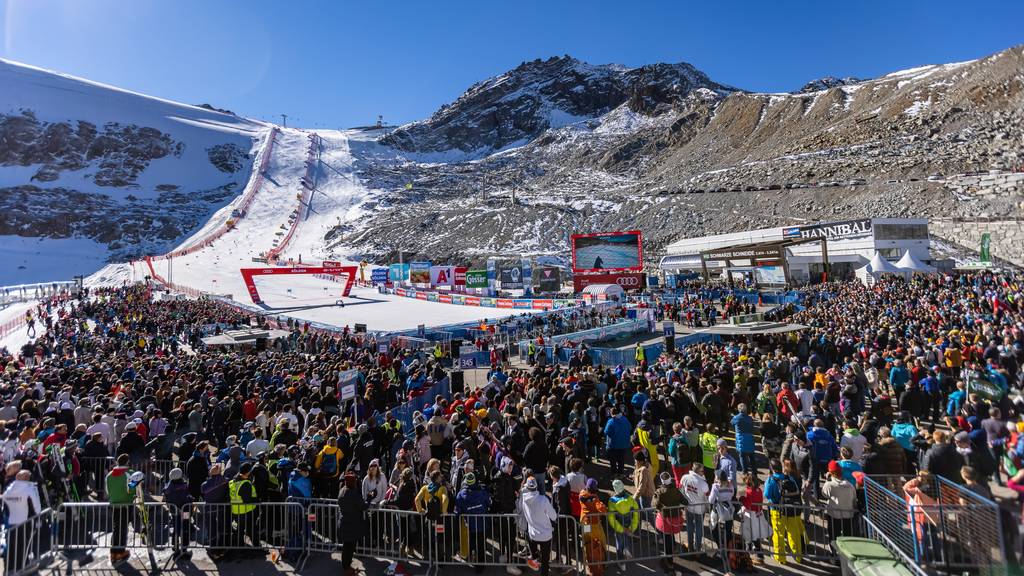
628,280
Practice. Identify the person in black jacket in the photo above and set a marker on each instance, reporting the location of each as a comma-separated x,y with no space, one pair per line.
176,493
912,400
535,456
942,459
351,519
198,470
95,463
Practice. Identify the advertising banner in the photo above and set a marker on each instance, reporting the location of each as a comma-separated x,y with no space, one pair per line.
830,230
398,272
442,275
504,303
607,251
419,272
548,279
458,299
476,279
628,280
432,296
541,304
487,302
445,298
472,300
522,303
379,275
421,295
511,276
460,276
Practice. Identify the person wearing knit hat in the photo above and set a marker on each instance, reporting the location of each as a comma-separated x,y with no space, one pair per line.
472,501
669,520
625,517
839,496
540,515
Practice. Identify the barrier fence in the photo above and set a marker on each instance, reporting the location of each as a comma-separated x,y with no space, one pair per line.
937,523
594,543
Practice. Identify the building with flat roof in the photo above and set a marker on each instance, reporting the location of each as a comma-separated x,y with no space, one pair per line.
799,254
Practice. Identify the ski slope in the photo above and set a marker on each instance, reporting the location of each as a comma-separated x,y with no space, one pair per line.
336,200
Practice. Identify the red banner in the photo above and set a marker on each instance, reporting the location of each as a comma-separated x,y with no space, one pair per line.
460,276
543,304
444,298
628,280
505,303
472,300
248,273
421,295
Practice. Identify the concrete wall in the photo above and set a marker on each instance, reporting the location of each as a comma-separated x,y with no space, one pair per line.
994,183
1007,236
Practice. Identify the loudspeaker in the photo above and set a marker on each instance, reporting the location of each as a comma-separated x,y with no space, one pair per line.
458,381
670,344
261,343
456,343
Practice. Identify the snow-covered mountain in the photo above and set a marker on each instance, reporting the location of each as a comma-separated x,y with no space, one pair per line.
90,172
515,107
513,166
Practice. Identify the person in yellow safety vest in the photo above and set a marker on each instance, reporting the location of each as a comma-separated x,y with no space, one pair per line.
243,506
639,354
709,448
437,352
531,352
623,516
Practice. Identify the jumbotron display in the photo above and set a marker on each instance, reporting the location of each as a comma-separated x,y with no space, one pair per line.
607,252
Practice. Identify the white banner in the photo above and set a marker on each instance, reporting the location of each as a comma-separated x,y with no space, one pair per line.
442,275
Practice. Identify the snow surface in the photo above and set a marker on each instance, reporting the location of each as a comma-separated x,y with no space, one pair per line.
29,259
338,199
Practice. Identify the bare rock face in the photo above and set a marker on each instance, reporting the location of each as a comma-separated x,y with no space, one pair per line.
228,158
664,149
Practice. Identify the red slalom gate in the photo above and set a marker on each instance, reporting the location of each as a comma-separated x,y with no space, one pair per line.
327,268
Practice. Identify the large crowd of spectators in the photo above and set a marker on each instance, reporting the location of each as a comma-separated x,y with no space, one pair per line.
726,441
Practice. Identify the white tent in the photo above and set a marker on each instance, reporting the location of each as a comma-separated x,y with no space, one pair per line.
874,269
911,265
604,292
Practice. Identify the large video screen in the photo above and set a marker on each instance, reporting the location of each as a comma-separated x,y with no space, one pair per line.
606,251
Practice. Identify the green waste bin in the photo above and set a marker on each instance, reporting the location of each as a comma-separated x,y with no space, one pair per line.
866,557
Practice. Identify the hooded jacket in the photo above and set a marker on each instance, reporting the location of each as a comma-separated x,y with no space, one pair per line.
624,515
474,500
539,514
840,498
855,441
887,457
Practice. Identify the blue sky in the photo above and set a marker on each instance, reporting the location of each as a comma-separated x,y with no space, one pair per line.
338,63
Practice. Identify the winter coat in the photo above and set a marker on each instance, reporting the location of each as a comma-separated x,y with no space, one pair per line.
117,486
176,492
695,488
22,501
617,432
943,460
351,515
539,515
744,427
886,457
473,500
840,498
624,515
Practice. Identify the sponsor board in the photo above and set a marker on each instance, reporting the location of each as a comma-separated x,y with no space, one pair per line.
419,272
432,296
471,300
522,303
511,277
445,298
421,295
505,303
628,280
548,279
488,302
379,275
398,272
442,275
542,304
476,279
458,299
830,230
460,276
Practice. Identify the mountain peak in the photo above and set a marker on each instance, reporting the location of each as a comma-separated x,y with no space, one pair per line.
828,82
541,94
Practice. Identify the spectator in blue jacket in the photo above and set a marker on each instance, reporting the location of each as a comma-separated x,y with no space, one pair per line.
743,425
898,377
299,484
474,499
616,433
823,450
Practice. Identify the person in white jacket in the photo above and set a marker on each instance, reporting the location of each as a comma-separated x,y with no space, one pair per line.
540,516
22,501
695,488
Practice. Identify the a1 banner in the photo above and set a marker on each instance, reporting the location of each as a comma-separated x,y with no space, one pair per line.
442,275
628,280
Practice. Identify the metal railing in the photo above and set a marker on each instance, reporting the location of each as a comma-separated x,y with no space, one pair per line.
28,545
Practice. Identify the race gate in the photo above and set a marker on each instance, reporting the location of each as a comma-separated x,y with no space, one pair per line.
331,268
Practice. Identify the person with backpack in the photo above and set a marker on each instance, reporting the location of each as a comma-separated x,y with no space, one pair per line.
782,492
595,540
327,465
432,503
678,453
840,499
722,513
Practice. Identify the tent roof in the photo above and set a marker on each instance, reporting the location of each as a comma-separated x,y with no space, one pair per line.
912,264
879,265
602,289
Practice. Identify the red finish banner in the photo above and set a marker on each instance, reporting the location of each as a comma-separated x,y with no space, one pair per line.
250,284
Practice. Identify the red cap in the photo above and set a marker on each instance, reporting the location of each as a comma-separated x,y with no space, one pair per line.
834,467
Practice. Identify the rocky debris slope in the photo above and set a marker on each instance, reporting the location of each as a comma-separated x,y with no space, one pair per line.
679,159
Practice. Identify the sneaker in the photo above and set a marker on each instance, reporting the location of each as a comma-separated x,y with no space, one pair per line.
513,571
627,554
533,564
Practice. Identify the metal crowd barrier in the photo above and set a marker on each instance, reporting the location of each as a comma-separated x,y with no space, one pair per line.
29,545
156,471
482,540
228,530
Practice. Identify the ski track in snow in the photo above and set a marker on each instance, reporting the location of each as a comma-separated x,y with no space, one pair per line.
337,200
